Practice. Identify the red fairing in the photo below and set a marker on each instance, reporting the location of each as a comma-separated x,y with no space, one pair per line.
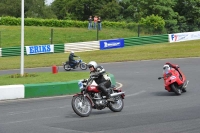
173,76
93,88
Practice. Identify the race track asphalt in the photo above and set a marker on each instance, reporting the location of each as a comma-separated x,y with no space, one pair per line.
148,107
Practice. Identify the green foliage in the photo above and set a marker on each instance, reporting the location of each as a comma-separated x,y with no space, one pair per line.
63,23
156,22
42,22
172,26
32,8
10,21
189,11
179,15
110,11
132,26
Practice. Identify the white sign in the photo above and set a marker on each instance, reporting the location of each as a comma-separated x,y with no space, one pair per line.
39,49
186,36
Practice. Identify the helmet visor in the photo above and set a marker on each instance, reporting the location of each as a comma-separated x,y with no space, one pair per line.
89,65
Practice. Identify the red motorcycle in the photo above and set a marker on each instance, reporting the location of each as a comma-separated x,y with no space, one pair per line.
174,79
92,98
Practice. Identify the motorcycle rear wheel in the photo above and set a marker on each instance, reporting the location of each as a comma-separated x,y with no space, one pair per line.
117,105
175,88
81,106
83,66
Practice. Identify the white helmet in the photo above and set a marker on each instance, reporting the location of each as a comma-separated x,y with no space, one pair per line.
92,63
166,67
72,52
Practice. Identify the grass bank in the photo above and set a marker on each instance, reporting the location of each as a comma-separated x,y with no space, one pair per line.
43,77
132,53
36,35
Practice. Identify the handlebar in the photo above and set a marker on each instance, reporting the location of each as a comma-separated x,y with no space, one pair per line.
87,80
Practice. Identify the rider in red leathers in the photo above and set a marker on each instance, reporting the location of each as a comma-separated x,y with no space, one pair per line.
172,65
176,67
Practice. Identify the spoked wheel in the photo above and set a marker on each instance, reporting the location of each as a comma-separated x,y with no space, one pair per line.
83,66
117,105
67,67
81,105
176,89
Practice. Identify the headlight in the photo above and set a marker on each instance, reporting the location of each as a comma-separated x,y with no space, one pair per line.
80,84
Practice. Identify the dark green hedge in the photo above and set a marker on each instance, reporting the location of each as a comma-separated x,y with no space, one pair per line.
61,23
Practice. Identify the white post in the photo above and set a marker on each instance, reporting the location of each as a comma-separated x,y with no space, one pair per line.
22,38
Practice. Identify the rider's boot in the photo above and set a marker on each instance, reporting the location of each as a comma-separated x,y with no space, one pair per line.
185,84
108,97
107,93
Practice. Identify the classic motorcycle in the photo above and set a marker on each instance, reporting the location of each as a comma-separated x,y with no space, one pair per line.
174,80
91,97
68,66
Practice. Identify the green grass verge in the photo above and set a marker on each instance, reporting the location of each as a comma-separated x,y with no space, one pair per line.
131,53
44,77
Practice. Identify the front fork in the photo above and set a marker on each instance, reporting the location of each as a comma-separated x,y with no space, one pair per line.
84,97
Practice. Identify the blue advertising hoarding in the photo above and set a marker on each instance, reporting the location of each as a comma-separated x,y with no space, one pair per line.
111,44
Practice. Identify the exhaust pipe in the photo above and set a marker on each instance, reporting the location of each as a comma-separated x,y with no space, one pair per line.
116,94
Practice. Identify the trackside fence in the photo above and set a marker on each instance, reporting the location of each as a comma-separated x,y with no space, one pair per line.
146,40
16,51
58,48
12,51
82,46
0,52
88,46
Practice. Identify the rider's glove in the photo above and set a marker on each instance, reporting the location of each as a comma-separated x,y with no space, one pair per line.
84,80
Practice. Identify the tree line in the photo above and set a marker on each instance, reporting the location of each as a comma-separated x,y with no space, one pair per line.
178,15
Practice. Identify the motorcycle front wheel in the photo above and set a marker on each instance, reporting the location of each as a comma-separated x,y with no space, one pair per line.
67,67
176,89
83,66
81,105
117,105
